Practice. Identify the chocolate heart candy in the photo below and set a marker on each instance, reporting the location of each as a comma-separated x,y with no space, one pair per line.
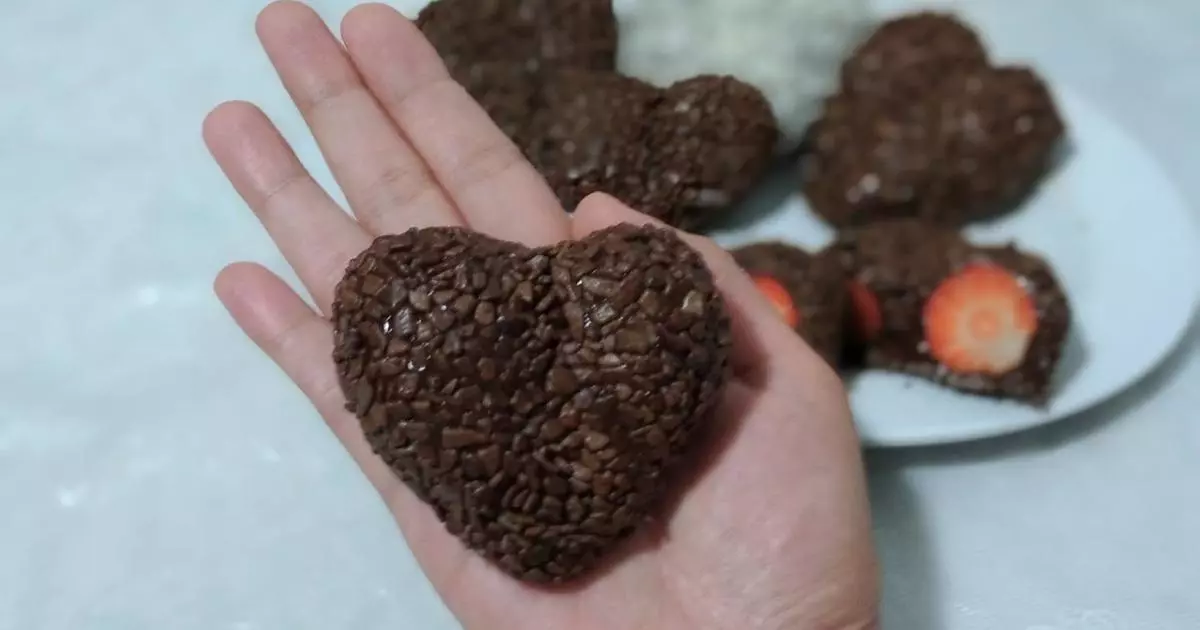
681,154
535,398
929,130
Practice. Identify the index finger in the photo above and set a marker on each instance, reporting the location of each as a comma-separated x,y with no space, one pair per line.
494,186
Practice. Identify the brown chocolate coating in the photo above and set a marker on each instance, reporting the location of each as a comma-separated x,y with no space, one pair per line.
725,131
935,133
907,56
902,262
535,398
533,34
996,131
682,154
587,135
867,164
816,285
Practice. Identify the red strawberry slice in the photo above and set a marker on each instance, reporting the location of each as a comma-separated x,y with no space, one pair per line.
980,320
868,318
780,299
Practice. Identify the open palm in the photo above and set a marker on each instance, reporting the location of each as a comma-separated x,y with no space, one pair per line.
771,529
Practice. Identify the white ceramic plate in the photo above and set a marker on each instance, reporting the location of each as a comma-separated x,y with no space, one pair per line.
1125,247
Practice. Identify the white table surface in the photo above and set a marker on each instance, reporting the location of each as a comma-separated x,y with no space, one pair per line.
157,472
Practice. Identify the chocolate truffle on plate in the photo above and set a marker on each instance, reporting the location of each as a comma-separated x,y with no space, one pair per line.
809,291
536,399
725,128
997,130
951,144
683,155
988,320
910,54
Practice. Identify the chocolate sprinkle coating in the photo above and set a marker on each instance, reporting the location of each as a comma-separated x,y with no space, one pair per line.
996,133
816,285
907,56
535,398
587,135
903,261
533,34
925,128
682,154
726,129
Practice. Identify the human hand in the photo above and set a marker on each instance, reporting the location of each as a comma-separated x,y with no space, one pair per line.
772,529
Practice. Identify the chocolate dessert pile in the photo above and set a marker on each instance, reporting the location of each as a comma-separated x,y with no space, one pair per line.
535,398
924,126
543,70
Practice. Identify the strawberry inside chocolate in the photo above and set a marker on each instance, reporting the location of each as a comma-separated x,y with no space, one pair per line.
983,320
980,320
779,298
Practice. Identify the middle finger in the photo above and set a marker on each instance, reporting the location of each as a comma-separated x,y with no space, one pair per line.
387,184
498,191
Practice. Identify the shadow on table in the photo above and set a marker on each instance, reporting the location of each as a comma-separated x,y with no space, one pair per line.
911,591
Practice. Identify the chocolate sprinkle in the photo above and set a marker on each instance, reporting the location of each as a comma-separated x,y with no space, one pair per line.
535,398
907,56
902,262
924,127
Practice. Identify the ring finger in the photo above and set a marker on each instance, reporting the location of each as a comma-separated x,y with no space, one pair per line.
315,236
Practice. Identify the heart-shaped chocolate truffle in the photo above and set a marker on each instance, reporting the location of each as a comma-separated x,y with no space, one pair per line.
535,398
682,154
925,127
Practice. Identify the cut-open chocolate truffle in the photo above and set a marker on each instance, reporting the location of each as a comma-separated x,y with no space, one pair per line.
535,398
987,320
682,154
809,291
925,127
